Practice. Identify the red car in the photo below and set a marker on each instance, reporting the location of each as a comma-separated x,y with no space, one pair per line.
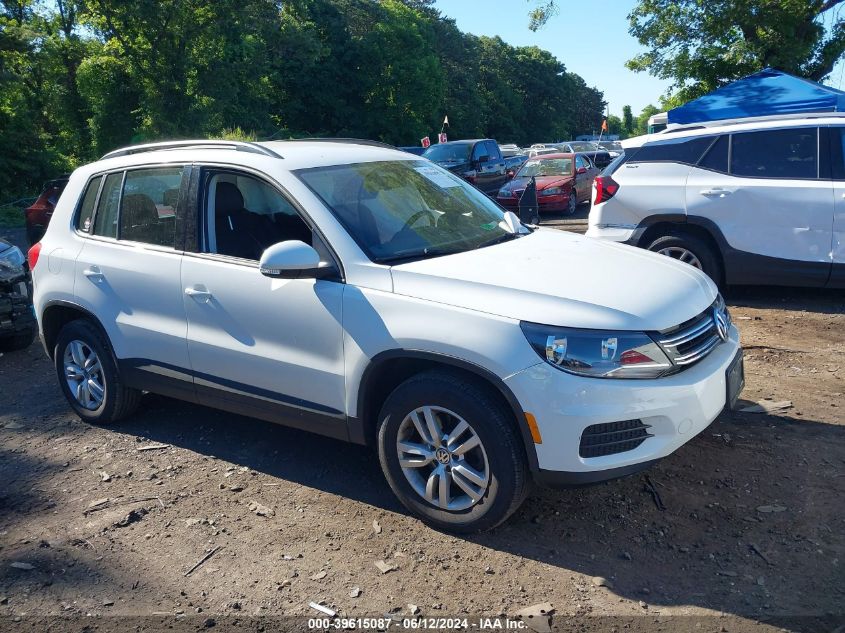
557,177
39,214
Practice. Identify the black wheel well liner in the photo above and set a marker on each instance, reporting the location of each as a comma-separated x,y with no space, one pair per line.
56,315
388,369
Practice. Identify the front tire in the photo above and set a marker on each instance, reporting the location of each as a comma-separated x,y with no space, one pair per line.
690,250
449,451
89,377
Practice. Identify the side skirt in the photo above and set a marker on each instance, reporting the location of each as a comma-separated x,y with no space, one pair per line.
234,397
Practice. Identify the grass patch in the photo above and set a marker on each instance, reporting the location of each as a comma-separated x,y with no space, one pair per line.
11,217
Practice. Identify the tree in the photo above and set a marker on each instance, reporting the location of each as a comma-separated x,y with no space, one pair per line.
704,45
642,120
627,120
614,125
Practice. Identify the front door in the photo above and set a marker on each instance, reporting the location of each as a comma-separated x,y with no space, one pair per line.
268,348
769,204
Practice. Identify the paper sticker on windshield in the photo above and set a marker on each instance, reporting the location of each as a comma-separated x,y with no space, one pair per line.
438,177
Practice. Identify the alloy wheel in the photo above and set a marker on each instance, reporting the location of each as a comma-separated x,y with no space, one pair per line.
443,459
683,255
84,374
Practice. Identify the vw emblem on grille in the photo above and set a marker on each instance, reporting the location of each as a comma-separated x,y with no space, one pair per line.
721,324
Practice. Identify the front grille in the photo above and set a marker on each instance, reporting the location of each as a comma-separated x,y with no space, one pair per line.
689,342
611,438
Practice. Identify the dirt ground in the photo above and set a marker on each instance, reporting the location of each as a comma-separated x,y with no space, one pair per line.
746,531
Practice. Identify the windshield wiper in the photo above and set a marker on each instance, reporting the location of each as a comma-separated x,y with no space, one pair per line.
407,257
507,237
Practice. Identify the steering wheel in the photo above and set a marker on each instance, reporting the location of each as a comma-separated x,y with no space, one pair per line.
425,213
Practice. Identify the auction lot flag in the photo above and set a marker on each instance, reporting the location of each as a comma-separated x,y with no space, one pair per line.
425,142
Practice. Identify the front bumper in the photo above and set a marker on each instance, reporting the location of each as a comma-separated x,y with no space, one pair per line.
16,314
675,408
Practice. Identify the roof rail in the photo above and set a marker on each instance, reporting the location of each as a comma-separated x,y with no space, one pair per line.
240,146
792,116
351,141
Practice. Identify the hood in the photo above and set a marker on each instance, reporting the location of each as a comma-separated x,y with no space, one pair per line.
559,278
543,182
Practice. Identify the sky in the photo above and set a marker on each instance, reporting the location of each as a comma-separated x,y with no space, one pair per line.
591,39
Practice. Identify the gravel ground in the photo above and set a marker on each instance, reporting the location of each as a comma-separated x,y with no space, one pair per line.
742,529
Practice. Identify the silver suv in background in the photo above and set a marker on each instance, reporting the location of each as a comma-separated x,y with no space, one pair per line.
746,201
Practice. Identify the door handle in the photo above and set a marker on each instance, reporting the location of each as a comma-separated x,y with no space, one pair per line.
715,192
93,273
199,294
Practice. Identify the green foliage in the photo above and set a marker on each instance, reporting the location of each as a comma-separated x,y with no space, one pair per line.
11,217
627,120
81,77
704,45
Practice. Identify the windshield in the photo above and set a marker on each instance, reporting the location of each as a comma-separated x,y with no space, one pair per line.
583,147
446,152
546,167
399,209
614,145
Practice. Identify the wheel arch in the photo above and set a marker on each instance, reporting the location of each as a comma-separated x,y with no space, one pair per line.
388,369
56,315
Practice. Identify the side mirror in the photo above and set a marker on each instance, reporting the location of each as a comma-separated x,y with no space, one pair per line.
511,173
582,170
482,159
291,259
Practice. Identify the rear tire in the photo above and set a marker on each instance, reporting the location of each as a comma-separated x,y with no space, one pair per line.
496,459
691,250
89,377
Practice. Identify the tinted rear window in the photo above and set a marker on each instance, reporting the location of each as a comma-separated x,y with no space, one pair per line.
716,159
687,152
790,153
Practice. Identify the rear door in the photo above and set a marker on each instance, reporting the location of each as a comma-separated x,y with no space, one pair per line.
128,273
583,180
762,191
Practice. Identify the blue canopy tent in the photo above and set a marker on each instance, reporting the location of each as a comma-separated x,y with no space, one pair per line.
765,93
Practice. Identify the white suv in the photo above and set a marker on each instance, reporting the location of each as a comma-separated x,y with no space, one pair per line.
356,291
755,201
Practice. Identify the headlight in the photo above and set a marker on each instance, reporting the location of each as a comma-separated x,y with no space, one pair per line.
552,191
597,353
12,257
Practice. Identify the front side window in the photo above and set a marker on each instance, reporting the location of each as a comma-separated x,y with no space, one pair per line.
479,151
579,162
582,147
493,150
790,153
398,210
148,206
245,215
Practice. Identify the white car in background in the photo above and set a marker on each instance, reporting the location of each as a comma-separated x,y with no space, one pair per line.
756,201
356,291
